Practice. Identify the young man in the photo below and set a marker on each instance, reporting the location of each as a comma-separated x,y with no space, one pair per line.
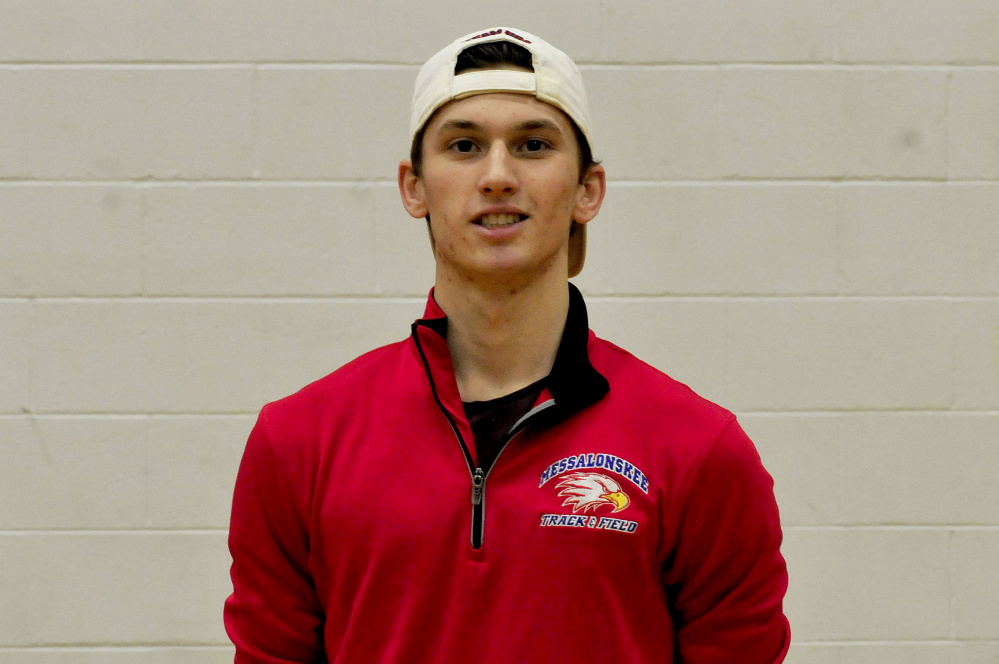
503,485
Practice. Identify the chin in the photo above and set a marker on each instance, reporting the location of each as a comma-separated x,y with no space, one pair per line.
503,266
519,270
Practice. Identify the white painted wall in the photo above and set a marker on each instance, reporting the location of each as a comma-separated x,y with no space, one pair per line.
198,214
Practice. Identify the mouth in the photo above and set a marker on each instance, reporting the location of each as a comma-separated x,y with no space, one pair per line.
499,220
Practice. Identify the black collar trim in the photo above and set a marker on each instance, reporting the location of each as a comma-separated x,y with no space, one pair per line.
573,382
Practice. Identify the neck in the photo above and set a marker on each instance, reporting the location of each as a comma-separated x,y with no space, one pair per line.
500,338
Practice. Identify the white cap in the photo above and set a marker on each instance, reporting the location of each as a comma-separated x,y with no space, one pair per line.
555,80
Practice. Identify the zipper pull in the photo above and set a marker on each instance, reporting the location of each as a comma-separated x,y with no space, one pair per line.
478,481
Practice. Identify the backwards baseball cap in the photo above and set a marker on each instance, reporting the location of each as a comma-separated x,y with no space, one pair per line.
555,80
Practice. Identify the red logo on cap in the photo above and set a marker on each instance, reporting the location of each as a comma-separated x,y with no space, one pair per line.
492,33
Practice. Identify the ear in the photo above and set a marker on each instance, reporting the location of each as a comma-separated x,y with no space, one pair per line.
590,195
411,190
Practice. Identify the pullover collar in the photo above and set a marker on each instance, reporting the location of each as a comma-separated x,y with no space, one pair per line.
573,383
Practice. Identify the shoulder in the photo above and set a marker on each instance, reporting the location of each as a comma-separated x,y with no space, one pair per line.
664,412
641,383
355,387
369,368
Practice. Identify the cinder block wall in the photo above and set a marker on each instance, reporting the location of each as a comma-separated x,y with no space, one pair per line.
198,214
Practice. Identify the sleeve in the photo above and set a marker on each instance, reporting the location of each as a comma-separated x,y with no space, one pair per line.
726,579
273,615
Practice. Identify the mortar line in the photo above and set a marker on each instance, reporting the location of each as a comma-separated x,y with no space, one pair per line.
136,415
952,584
603,297
914,642
274,181
584,66
77,532
920,527
111,646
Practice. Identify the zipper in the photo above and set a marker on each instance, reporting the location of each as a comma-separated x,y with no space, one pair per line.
479,476
478,489
478,482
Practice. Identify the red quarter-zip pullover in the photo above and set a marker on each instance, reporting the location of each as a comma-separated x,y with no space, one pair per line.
626,520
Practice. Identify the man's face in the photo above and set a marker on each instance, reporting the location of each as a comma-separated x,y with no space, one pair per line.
501,184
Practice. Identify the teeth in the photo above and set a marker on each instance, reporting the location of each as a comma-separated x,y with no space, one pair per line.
499,220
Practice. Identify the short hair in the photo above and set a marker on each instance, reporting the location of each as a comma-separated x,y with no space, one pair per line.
493,55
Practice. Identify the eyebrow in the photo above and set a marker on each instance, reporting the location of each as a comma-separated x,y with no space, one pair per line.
535,125
467,125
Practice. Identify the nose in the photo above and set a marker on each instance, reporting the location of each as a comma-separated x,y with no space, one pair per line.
499,176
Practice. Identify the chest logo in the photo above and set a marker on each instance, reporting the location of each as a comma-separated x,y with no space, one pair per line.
585,483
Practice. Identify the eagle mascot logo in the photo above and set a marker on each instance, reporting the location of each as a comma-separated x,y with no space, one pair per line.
588,491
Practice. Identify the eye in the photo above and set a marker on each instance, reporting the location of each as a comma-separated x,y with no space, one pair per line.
463,145
534,145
